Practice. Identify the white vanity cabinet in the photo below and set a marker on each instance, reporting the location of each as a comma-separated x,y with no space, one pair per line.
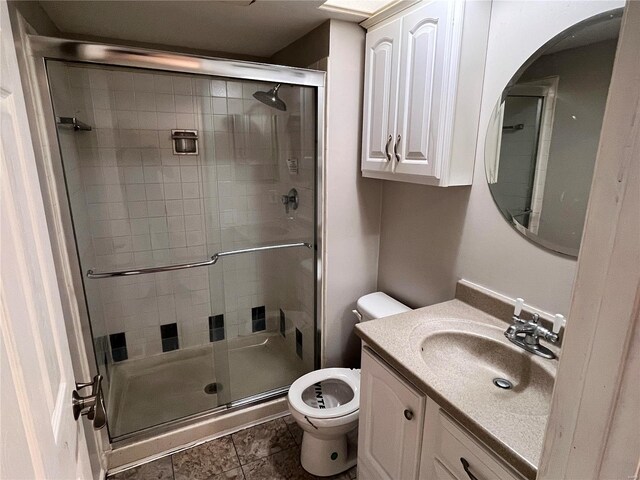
423,84
390,425
405,435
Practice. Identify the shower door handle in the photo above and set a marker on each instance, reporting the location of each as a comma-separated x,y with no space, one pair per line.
92,405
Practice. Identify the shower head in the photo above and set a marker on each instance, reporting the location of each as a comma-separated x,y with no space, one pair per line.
271,98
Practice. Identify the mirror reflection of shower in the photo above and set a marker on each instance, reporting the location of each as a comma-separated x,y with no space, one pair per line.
271,98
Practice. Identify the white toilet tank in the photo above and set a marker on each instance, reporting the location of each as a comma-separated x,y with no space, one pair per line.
378,305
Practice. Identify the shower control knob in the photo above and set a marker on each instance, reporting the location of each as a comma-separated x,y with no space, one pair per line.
408,414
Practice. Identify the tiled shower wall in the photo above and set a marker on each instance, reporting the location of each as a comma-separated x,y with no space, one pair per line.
135,203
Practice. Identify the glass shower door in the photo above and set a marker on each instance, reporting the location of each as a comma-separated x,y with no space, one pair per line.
264,164
136,204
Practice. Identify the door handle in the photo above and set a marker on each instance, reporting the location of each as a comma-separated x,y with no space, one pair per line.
91,405
395,148
386,148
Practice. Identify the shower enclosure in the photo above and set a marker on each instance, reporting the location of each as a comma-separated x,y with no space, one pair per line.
192,187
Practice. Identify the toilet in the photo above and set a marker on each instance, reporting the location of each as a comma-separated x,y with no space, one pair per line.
325,403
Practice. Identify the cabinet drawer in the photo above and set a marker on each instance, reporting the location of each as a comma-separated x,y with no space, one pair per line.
453,444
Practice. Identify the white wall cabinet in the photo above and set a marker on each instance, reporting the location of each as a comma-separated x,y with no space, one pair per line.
423,84
403,434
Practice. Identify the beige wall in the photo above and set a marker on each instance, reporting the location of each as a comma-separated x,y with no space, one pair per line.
424,229
352,206
307,50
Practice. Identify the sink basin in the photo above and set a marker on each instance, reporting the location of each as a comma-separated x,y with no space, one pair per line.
473,359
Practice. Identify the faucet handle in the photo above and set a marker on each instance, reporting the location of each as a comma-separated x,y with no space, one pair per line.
518,307
558,323
535,318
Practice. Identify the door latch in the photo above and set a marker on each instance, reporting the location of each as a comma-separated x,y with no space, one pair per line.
91,405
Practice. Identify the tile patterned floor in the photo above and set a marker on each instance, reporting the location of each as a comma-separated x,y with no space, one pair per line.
269,451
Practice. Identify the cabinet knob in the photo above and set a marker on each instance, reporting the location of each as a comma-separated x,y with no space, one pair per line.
408,414
386,148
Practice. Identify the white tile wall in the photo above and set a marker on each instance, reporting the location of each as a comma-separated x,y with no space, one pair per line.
141,205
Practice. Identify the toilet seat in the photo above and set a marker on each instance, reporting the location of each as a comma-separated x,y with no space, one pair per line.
346,375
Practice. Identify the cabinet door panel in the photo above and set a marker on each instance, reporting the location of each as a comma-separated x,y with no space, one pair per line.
426,40
388,442
381,74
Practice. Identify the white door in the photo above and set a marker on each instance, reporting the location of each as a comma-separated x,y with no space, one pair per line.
423,89
39,437
391,421
382,61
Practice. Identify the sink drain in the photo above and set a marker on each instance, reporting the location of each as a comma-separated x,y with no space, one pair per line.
211,388
502,383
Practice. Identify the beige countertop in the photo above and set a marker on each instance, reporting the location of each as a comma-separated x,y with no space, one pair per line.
514,436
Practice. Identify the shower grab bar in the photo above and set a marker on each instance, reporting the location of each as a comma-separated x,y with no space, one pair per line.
206,263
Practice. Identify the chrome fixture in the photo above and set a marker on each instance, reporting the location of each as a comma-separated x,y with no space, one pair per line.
212,261
517,126
290,200
526,333
502,383
271,99
185,142
395,148
92,405
74,123
386,148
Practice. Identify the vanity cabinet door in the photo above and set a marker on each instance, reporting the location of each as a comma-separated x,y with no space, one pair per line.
391,423
382,60
428,68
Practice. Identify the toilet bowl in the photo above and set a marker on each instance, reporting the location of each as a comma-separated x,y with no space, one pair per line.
325,403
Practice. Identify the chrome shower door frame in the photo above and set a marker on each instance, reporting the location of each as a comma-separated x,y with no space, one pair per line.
35,51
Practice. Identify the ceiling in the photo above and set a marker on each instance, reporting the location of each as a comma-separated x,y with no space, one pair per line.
258,29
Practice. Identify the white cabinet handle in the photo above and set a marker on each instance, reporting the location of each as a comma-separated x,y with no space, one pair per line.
386,148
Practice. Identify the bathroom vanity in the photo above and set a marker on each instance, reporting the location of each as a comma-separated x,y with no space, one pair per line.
433,402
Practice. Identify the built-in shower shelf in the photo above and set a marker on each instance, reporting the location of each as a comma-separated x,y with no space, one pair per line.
74,123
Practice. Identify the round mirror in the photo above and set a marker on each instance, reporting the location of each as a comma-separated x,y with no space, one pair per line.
543,136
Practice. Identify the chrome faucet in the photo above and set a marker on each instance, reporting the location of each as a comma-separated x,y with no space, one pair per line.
527,333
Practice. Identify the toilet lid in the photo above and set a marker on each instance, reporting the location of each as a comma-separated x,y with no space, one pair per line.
326,393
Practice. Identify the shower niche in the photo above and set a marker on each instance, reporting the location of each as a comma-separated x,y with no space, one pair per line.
200,288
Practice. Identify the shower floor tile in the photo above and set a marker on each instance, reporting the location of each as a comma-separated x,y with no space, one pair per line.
268,451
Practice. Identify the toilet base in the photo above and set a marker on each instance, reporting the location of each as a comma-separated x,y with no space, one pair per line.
326,456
